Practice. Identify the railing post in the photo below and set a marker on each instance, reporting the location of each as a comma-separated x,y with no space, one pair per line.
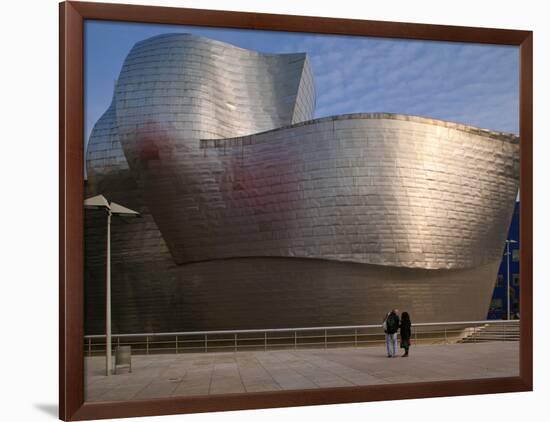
295,339
235,342
445,335
176,345
475,340
265,341
415,337
147,344
356,337
325,338
90,346
205,343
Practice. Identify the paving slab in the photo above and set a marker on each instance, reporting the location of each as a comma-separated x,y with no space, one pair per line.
201,374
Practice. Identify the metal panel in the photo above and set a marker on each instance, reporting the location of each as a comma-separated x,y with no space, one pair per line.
213,145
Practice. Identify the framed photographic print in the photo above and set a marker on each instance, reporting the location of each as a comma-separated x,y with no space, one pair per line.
268,210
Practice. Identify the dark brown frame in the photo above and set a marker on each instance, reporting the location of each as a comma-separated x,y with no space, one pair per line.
71,188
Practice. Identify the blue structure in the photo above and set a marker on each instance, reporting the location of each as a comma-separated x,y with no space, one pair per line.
497,309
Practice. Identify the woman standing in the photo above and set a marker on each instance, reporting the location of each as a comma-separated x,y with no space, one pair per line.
405,332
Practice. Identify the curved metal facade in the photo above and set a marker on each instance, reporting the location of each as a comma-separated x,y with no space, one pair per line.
256,216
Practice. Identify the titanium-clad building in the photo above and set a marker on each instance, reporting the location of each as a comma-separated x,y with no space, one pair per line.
257,216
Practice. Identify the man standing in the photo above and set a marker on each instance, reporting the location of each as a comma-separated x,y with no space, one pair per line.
391,325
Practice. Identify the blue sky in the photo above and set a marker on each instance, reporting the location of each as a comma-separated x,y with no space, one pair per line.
466,83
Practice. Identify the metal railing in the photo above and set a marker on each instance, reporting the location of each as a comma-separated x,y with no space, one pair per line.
306,337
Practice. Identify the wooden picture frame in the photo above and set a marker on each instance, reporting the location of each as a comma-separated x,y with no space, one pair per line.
71,126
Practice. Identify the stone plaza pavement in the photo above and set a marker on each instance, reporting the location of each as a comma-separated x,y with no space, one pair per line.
171,375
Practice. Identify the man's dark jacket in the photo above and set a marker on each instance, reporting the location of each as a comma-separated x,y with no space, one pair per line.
392,326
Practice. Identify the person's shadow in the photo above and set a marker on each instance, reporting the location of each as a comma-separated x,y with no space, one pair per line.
49,409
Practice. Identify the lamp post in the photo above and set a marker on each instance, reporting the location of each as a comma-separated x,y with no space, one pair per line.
508,241
100,202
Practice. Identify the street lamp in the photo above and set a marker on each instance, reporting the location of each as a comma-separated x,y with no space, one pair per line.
508,241
96,203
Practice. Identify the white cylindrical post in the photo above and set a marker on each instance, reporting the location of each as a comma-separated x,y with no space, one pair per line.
108,298
507,279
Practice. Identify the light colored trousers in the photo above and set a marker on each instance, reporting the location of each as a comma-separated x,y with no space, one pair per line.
391,344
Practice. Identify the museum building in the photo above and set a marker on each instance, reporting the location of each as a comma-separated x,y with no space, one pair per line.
257,215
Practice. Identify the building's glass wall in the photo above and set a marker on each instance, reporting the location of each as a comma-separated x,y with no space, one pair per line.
499,302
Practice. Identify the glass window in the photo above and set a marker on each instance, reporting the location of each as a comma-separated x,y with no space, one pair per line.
515,255
500,280
515,279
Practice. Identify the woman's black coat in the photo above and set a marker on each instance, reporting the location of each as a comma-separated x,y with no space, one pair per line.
405,333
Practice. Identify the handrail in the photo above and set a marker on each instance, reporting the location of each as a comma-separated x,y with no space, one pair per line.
294,338
299,329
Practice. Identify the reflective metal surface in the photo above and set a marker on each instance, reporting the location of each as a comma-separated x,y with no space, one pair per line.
256,216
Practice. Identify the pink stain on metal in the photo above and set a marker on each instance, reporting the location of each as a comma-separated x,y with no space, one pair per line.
153,143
